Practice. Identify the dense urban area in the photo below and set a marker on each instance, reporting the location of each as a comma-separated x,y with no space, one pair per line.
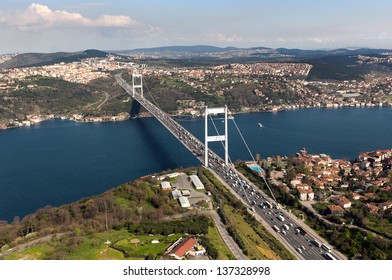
243,87
191,213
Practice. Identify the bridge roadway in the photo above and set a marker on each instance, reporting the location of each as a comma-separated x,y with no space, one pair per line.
248,193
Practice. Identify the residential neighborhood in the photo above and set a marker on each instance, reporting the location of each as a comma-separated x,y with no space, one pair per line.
344,192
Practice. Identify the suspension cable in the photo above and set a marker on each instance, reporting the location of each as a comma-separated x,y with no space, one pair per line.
153,99
224,148
259,172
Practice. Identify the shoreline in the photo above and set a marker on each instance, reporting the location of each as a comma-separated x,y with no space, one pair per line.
125,116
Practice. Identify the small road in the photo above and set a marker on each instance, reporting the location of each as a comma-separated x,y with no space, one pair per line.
29,244
232,178
230,243
308,205
106,99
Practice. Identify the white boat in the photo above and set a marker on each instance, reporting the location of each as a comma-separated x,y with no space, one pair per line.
259,124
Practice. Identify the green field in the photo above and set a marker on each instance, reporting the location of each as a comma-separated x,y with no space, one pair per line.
141,247
215,239
93,247
255,246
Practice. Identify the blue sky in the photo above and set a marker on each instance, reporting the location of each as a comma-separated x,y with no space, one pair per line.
46,26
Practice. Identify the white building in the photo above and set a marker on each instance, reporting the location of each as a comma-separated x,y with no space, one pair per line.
196,182
176,194
166,186
184,202
343,202
170,175
186,193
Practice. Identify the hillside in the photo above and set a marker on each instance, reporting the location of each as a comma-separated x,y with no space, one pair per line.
64,228
41,59
198,49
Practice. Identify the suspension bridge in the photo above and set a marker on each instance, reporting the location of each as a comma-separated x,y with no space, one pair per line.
224,168
199,149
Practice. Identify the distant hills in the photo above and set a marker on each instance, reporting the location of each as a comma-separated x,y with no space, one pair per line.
204,49
338,64
41,59
197,52
198,49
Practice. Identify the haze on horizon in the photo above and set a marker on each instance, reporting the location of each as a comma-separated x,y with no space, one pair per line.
73,25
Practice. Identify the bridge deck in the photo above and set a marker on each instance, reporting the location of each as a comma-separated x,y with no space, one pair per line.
226,172
194,145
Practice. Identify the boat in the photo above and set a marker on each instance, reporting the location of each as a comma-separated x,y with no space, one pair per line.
259,124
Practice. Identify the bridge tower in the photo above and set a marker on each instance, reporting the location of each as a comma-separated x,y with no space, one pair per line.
137,84
215,138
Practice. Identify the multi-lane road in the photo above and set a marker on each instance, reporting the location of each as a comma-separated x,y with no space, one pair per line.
287,227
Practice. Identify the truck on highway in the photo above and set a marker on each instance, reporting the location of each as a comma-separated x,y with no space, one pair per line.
268,204
280,217
326,248
276,228
328,256
302,231
286,227
316,243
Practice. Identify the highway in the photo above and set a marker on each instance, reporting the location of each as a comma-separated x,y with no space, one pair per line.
268,210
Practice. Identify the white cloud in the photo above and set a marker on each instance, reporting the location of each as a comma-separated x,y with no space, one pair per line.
322,40
219,37
38,16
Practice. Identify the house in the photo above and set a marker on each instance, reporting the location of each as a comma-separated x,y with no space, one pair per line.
335,210
197,250
310,194
385,205
303,195
302,187
342,201
183,248
296,181
365,165
372,208
166,186
355,196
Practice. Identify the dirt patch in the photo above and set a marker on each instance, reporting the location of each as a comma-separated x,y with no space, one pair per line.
268,253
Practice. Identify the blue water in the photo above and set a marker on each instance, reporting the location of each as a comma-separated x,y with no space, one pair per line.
58,162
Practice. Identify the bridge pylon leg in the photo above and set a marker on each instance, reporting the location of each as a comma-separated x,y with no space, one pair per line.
137,84
207,138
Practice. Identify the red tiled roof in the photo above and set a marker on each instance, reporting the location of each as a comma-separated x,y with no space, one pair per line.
335,208
184,247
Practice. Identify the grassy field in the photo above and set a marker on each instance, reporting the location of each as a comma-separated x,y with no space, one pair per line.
37,252
93,247
256,247
380,225
144,247
215,239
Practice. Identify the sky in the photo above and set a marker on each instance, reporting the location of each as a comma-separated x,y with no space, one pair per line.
74,25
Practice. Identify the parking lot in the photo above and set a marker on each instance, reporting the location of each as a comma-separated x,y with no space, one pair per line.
183,183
